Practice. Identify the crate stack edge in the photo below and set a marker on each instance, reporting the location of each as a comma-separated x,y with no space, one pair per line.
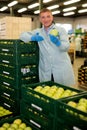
18,66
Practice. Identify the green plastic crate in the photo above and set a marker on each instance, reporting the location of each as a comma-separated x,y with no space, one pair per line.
5,107
15,56
45,122
22,60
10,46
11,120
61,125
45,103
71,116
12,104
9,92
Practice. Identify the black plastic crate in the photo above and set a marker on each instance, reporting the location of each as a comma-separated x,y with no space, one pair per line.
71,116
39,100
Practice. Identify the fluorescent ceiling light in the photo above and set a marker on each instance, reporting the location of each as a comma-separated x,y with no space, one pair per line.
55,12
53,7
46,1
84,5
3,8
69,13
12,3
33,5
37,12
69,9
82,11
70,2
22,10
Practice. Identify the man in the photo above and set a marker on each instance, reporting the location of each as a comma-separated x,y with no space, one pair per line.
53,44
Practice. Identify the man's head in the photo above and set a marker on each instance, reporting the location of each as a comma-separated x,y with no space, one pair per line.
46,17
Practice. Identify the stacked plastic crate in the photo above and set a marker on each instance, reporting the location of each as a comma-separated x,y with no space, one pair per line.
39,103
82,76
72,113
18,66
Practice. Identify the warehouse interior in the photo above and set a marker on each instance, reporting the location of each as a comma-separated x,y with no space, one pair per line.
37,110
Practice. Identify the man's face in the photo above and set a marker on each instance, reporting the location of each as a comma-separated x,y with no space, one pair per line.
46,19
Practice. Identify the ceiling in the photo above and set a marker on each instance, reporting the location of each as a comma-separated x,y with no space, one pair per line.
25,3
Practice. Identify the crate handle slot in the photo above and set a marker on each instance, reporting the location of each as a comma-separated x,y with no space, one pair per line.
6,94
4,72
5,61
7,105
5,50
76,128
33,122
6,83
37,107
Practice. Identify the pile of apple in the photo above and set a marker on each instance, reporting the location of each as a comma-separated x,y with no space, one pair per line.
4,111
54,91
80,105
17,124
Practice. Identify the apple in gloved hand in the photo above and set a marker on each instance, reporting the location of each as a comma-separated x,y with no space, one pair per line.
54,32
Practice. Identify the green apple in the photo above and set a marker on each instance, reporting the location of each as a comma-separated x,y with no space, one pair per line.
38,88
73,93
49,94
60,91
46,87
81,108
6,125
54,87
72,104
22,125
68,91
14,125
1,108
28,128
2,128
83,100
82,104
11,128
17,121
56,96
54,32
20,129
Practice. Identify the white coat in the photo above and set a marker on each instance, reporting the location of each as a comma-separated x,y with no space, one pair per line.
53,59
78,43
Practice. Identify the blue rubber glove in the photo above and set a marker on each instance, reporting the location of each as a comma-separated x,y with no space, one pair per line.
55,40
37,38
